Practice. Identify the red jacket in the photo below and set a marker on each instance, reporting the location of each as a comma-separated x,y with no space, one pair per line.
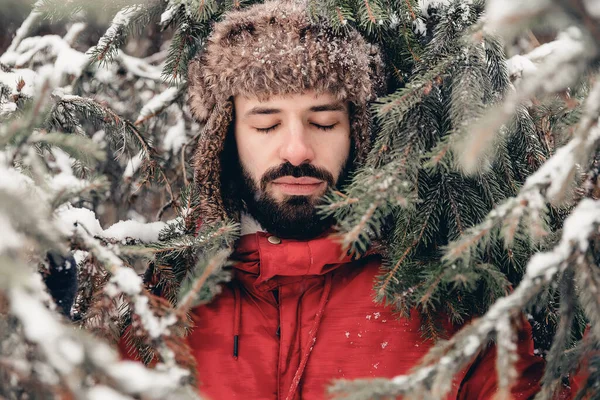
300,315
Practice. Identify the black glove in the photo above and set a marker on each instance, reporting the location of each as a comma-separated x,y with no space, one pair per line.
61,280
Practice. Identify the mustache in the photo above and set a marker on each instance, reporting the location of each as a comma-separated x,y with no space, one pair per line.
297,171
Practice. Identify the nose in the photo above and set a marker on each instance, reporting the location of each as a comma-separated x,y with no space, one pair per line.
297,148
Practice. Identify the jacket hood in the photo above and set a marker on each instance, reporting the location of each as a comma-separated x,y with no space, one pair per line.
269,49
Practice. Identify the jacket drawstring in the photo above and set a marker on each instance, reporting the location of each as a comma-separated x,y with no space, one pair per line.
312,338
237,316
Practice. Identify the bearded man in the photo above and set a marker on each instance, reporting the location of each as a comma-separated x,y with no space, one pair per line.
285,106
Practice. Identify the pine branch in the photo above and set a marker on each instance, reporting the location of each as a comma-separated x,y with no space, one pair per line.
189,297
506,358
193,27
552,379
120,130
158,104
132,17
580,226
546,184
26,27
380,191
573,57
87,359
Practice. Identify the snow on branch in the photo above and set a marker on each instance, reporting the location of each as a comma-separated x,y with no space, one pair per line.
561,69
463,347
125,280
75,357
547,184
527,65
25,28
158,103
67,216
111,41
89,108
139,67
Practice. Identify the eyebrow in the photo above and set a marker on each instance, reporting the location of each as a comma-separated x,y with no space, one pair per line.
323,107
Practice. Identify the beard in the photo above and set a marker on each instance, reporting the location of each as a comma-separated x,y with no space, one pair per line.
295,216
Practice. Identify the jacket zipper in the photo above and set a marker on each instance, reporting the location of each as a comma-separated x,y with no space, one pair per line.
276,296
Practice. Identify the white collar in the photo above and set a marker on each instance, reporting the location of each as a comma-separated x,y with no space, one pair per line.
248,225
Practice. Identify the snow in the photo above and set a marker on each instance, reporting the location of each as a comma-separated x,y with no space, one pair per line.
7,108
39,325
571,49
542,52
419,27
137,379
62,160
139,67
80,256
64,353
155,326
127,281
99,137
120,20
577,229
133,165
394,20
65,180
71,350
11,79
67,216
168,14
557,171
23,30
158,102
145,232
472,345
106,73
68,61
175,137
101,392
424,5
9,239
14,181
520,66
71,36
592,7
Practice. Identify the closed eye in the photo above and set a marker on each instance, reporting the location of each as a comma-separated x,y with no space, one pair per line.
267,130
325,127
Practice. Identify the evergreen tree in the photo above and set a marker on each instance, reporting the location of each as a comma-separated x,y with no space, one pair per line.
482,185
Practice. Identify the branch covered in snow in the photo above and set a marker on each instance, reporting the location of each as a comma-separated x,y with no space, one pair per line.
76,359
158,103
548,184
115,35
561,69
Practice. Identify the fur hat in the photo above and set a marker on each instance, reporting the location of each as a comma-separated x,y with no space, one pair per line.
274,48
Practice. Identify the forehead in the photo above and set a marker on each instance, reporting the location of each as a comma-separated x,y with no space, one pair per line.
296,102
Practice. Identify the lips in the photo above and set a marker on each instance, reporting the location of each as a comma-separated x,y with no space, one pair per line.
298,186
290,180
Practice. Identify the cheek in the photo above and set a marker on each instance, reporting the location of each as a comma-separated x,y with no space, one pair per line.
252,153
333,151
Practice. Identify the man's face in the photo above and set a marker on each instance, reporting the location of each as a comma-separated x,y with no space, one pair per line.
291,150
